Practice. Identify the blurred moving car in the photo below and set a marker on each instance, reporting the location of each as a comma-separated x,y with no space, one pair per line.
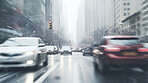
87,51
121,51
23,52
52,49
66,50
77,50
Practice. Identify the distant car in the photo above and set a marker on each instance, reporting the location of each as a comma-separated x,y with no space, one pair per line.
23,52
121,51
66,50
77,50
52,49
87,51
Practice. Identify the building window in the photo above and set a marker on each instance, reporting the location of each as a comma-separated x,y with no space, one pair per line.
128,9
128,3
128,13
124,14
124,3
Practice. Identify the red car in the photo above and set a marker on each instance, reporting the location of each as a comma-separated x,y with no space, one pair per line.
121,51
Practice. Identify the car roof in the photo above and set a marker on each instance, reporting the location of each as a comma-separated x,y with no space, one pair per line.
109,37
24,38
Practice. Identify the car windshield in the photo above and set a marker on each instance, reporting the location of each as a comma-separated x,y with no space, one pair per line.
124,41
66,48
19,42
51,47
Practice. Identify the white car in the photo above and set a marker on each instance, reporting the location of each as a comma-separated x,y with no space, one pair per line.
66,50
23,52
52,49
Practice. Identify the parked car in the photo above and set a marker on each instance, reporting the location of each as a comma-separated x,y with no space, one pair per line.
88,51
52,49
23,52
66,50
121,51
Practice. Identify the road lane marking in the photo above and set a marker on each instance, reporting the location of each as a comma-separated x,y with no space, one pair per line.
7,77
76,75
46,74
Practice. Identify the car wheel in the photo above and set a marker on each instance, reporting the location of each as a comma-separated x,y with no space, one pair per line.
46,62
61,53
37,66
83,54
101,66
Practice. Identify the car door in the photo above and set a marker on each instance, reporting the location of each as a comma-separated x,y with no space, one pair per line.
42,50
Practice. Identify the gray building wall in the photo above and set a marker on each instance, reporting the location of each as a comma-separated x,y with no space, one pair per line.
35,11
144,30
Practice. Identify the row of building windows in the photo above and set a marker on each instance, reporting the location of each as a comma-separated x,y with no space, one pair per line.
144,2
128,9
145,19
145,24
145,7
145,13
126,4
126,14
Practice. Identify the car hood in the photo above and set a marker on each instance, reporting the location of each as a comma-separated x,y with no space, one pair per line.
20,49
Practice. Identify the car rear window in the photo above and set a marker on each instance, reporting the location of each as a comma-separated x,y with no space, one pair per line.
124,41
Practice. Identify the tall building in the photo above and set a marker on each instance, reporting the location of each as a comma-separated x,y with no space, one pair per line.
35,11
90,13
58,21
144,30
80,29
123,9
98,16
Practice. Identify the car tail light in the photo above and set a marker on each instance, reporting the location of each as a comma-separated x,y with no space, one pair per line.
143,50
112,49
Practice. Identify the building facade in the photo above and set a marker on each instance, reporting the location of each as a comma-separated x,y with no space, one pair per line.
144,30
91,18
123,9
132,25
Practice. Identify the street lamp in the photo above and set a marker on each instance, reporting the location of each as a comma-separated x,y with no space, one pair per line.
105,33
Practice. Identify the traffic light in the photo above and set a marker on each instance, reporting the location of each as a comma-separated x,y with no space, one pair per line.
50,24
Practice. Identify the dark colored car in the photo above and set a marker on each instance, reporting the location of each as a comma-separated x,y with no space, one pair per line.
121,51
87,51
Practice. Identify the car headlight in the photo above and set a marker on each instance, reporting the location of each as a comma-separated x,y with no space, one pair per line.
29,53
95,51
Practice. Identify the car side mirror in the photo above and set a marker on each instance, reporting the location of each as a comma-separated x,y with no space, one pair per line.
41,45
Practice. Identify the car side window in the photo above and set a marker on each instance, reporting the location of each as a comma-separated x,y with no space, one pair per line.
40,41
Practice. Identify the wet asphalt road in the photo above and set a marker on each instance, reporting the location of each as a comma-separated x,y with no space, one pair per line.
71,69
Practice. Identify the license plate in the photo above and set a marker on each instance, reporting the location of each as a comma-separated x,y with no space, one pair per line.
129,53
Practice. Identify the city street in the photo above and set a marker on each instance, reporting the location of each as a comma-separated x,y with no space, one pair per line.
71,69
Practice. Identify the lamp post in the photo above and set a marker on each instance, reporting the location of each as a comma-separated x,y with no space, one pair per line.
105,33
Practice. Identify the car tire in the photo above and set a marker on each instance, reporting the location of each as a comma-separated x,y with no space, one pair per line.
37,66
83,54
100,66
61,53
46,62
